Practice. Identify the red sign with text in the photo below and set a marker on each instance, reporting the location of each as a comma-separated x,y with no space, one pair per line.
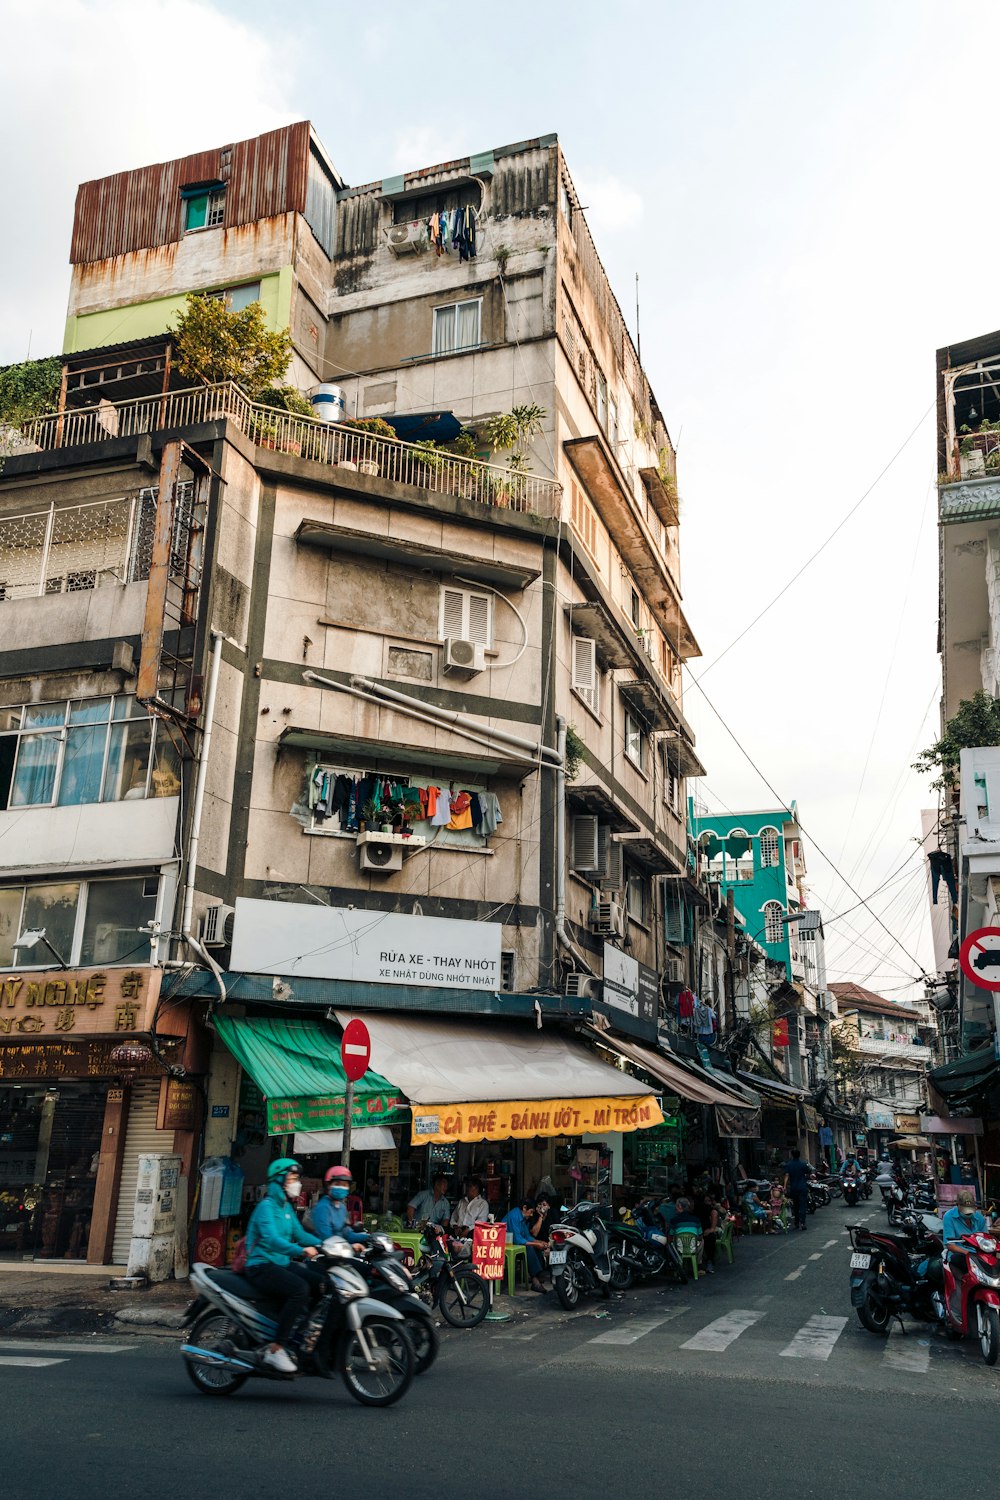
489,1242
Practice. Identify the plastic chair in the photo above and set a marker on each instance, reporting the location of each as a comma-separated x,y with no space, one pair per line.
724,1240
515,1256
689,1247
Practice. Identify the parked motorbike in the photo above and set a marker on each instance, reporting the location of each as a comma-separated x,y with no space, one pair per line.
819,1195
905,1198
647,1245
443,1280
972,1293
895,1271
391,1282
347,1330
579,1254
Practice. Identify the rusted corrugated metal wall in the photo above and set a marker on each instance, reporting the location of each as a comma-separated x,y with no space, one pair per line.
139,210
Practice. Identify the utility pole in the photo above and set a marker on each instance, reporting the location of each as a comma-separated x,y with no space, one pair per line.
730,962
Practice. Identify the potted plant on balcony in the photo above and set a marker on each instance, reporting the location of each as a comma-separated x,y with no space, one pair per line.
374,427
512,430
215,344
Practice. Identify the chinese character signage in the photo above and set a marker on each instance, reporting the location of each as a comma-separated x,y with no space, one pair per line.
64,1003
489,1241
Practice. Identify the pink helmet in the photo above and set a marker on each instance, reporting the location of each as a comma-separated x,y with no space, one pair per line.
338,1174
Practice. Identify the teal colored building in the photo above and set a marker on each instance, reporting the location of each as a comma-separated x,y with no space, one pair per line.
758,856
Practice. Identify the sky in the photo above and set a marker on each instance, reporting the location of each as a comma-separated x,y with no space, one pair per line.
791,181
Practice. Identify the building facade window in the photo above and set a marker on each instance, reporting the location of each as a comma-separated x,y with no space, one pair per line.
636,896
204,207
237,298
774,926
586,678
635,741
769,848
457,326
86,750
602,402
466,615
86,921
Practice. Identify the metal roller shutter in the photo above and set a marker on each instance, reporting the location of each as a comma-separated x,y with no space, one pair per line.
141,1135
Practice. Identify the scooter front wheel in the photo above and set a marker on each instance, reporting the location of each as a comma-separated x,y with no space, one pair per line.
214,1331
567,1287
425,1341
390,1372
989,1332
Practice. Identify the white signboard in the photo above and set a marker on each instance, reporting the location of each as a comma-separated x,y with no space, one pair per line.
621,980
373,947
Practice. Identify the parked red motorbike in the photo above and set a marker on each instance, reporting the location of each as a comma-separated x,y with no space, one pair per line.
972,1293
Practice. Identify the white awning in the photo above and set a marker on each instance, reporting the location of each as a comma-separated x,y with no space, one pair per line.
364,1138
436,1061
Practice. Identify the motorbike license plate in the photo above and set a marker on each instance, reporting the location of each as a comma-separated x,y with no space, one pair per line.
860,1261
557,1257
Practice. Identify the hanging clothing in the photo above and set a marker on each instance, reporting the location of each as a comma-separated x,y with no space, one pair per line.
461,811
433,792
476,809
490,816
942,868
349,818
685,1005
442,816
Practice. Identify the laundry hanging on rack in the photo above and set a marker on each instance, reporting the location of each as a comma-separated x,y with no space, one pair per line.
463,232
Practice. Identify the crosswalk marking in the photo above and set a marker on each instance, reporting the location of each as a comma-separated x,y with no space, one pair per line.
54,1346
720,1334
907,1356
818,1255
28,1361
631,1333
794,1275
816,1338
830,1244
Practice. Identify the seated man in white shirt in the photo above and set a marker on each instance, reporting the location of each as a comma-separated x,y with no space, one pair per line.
431,1206
471,1210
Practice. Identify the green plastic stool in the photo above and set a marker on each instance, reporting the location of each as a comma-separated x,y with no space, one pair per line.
689,1248
724,1240
515,1256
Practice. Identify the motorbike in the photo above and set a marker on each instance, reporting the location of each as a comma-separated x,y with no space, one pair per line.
852,1191
902,1199
443,1280
819,1195
390,1282
972,1292
347,1330
579,1254
893,1272
640,1239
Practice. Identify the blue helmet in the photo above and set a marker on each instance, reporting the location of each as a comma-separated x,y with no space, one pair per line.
281,1168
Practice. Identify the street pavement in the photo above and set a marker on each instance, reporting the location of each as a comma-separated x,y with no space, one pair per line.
757,1383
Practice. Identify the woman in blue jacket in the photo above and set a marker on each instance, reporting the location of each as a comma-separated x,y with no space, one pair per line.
276,1247
330,1216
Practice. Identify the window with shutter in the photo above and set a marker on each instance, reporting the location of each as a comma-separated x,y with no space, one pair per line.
634,741
586,843
585,678
466,615
612,862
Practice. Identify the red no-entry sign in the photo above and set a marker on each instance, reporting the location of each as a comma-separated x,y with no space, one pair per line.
355,1050
979,957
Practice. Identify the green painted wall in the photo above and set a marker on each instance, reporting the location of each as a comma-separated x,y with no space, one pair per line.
141,319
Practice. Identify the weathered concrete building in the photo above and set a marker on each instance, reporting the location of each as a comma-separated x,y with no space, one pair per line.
429,746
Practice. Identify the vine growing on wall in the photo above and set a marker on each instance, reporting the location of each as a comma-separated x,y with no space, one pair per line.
29,389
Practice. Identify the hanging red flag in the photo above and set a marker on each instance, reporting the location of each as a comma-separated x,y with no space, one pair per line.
779,1033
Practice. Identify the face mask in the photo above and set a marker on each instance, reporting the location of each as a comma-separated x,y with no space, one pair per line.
339,1192
293,1189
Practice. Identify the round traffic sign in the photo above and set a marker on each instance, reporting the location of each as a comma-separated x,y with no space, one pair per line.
979,957
355,1049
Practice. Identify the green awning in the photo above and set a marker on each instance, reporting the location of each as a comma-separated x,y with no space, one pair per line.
968,1080
296,1065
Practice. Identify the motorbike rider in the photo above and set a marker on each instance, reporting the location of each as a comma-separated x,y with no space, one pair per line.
331,1215
276,1245
964,1218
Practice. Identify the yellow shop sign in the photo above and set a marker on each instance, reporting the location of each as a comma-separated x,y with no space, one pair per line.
441,1124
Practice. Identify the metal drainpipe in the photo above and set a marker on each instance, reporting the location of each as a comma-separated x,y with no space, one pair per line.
194,838
451,716
561,934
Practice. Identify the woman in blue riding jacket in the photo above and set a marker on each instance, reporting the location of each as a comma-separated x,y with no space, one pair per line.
276,1247
330,1216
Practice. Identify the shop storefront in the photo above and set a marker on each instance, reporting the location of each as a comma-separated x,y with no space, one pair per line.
81,1095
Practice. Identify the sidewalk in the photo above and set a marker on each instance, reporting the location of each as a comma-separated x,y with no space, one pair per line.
50,1299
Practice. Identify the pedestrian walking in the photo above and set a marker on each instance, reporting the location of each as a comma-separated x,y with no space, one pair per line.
797,1187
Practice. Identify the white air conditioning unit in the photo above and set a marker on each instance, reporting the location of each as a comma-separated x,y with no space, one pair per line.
468,657
379,856
673,970
408,239
217,926
584,986
608,917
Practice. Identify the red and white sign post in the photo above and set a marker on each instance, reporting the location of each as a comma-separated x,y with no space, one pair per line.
489,1246
355,1055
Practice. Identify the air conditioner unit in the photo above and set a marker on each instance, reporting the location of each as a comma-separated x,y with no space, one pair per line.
468,657
217,926
673,971
584,986
608,917
379,856
408,239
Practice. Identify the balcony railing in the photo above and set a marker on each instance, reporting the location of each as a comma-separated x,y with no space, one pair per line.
306,437
894,1049
74,548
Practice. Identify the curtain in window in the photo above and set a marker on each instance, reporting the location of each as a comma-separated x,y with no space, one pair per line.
83,764
117,913
10,913
467,320
444,330
53,908
35,776
166,778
